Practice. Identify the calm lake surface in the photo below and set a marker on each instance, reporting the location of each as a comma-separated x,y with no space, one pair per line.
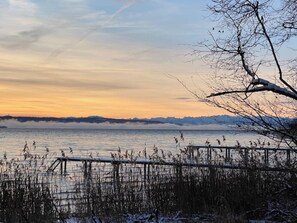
103,141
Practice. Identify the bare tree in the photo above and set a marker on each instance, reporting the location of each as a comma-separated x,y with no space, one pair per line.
253,56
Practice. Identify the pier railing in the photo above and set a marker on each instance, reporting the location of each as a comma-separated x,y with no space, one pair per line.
249,156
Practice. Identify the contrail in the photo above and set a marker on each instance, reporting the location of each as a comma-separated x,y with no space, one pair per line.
64,48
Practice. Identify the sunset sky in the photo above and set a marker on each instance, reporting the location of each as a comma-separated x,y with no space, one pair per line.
112,58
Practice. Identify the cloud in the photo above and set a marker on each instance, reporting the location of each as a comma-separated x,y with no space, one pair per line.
184,98
19,14
64,48
22,6
67,83
23,38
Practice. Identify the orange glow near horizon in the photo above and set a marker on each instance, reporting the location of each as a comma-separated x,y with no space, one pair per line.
122,68
111,109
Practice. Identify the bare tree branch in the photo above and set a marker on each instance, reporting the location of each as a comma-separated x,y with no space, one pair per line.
254,76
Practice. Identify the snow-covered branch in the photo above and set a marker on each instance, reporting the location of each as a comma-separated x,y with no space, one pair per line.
264,86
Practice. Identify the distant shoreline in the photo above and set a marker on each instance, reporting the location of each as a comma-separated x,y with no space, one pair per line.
104,126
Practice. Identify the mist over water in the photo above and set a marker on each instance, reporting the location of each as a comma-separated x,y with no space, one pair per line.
100,142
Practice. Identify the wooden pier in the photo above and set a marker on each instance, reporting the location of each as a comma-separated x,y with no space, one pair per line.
225,157
121,180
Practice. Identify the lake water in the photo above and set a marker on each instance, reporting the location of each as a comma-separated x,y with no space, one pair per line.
100,142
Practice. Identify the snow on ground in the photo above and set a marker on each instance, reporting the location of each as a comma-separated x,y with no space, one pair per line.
146,218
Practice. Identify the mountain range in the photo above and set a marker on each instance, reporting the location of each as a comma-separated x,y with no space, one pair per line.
207,120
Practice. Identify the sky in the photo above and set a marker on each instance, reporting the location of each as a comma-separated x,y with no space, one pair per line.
111,58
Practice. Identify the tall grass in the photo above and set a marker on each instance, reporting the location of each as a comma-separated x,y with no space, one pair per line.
29,194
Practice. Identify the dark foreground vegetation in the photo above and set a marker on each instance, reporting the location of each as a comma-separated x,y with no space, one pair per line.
110,192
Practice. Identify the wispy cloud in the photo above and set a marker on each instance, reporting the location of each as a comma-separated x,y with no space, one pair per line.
18,15
184,98
66,83
20,24
23,6
58,78
62,49
23,38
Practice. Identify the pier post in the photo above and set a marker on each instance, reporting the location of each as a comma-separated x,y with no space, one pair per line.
144,175
145,183
148,173
179,173
209,155
228,155
65,166
288,157
90,169
246,156
116,177
266,157
198,155
61,166
191,152
85,168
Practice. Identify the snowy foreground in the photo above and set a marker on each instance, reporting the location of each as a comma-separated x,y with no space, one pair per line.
147,218
151,218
